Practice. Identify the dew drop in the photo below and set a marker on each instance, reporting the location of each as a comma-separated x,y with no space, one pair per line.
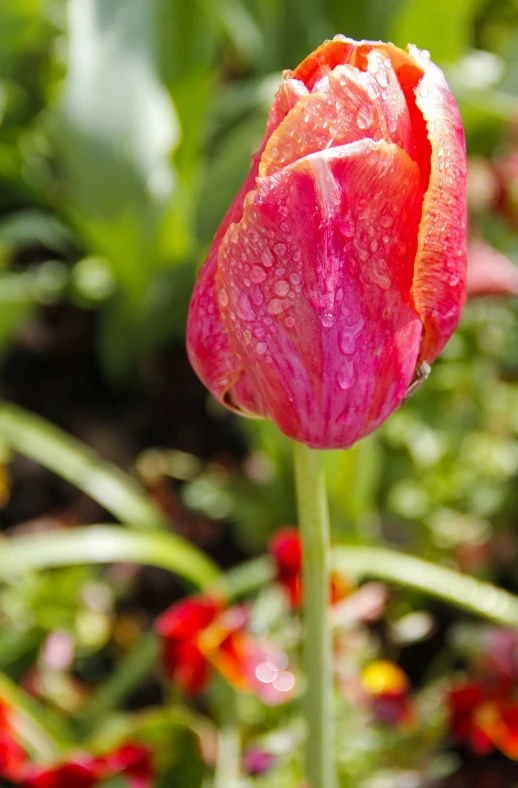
280,249
382,77
295,279
289,322
386,221
223,298
345,376
257,274
261,348
327,319
281,288
267,258
276,306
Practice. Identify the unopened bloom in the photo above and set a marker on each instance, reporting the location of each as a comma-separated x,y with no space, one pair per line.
338,273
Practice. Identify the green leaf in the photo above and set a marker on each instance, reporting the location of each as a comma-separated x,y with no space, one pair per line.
454,588
117,129
26,228
102,544
53,448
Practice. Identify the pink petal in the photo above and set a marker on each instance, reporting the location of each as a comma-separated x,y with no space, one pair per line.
316,282
439,287
490,272
207,345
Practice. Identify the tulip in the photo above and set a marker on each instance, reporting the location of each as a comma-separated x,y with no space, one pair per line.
338,273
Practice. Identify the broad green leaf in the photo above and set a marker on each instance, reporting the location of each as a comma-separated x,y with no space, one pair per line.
454,588
117,130
26,228
53,448
102,544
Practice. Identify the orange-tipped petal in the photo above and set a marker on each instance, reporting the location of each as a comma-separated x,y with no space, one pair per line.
351,105
440,275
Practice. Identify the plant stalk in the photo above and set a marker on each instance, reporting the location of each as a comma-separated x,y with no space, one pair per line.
314,526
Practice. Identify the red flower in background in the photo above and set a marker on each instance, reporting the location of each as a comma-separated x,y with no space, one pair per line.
12,757
131,761
199,634
80,774
179,628
340,265
285,547
484,716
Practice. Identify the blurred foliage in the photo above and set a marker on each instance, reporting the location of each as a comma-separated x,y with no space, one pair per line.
126,127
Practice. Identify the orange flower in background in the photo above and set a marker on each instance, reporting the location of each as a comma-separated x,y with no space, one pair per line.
199,634
285,547
338,273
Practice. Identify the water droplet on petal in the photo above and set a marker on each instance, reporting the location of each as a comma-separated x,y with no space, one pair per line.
257,274
261,348
280,249
281,288
345,376
276,306
327,319
267,258
223,298
289,322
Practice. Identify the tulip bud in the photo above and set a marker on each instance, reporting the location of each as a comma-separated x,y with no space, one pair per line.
340,266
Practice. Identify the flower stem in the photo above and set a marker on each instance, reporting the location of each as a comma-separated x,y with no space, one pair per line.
314,526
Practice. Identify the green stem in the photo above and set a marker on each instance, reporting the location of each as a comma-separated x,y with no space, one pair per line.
314,526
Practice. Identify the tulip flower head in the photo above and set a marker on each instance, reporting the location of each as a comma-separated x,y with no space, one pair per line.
340,266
